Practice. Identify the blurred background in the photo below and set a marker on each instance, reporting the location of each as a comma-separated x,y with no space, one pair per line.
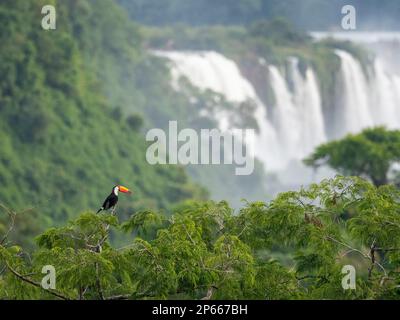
76,102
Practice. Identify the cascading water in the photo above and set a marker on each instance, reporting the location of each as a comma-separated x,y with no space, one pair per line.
298,119
295,124
298,116
211,70
293,116
368,103
313,126
354,113
285,116
385,103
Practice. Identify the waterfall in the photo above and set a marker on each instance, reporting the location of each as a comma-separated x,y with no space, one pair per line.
285,116
307,99
294,124
375,102
210,70
385,102
312,116
297,116
213,71
354,114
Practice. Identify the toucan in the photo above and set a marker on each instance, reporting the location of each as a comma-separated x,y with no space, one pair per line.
112,199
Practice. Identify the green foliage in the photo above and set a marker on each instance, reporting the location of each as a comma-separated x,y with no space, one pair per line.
72,106
75,102
190,12
63,144
279,30
205,250
369,154
135,122
305,14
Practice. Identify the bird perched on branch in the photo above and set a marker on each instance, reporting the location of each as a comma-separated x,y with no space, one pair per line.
112,200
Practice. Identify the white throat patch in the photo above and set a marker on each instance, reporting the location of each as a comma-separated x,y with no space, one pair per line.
116,191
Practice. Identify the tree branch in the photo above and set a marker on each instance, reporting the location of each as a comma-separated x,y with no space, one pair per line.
348,247
36,284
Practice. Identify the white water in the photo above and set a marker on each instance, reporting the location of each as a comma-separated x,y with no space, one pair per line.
312,118
297,115
211,70
354,112
285,117
295,124
379,91
367,103
385,102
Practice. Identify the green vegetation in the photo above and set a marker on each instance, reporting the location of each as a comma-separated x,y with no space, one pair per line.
74,104
205,251
64,145
369,154
305,14
136,83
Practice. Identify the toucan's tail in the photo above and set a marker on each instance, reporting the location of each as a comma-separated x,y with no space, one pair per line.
100,210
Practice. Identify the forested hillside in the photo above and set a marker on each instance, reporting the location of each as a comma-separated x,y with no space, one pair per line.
76,103
63,143
243,12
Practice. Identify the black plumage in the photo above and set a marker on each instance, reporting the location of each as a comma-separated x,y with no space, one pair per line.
111,201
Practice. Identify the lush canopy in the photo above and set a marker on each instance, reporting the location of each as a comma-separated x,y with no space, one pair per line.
205,251
369,154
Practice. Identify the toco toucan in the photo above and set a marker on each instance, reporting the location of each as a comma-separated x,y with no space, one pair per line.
112,199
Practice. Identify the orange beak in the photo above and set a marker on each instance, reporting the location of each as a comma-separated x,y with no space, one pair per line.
124,189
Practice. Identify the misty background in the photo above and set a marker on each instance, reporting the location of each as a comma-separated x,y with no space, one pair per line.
76,102
372,15
297,97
